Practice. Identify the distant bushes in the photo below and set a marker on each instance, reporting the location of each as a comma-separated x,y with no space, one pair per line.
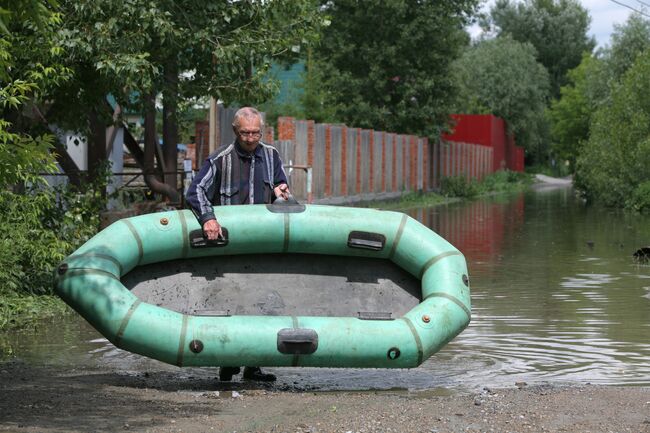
500,181
458,186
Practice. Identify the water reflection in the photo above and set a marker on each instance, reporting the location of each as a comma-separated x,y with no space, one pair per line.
556,298
556,295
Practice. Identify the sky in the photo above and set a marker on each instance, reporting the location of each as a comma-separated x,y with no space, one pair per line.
604,14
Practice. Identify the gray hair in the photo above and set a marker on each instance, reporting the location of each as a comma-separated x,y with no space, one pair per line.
247,112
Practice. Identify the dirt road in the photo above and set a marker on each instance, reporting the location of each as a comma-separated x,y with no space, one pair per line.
56,399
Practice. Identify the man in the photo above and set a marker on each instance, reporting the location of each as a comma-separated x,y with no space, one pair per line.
247,171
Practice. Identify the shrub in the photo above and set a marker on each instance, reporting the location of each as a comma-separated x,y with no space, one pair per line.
504,180
613,163
40,228
458,186
640,199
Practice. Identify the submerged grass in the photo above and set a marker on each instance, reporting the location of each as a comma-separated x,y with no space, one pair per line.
20,310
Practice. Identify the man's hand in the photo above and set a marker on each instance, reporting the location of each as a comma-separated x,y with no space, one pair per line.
212,230
282,191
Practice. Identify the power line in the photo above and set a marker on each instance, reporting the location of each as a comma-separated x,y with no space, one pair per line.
630,7
643,3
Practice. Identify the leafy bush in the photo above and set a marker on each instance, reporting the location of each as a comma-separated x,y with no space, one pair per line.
504,180
40,228
458,186
640,199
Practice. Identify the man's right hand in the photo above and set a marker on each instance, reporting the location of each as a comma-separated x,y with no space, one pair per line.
212,230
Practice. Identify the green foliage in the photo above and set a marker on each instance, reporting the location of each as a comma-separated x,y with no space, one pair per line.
505,181
498,182
19,310
410,200
40,228
590,86
129,48
640,200
502,77
28,32
385,65
628,41
556,28
458,186
570,115
613,164
28,250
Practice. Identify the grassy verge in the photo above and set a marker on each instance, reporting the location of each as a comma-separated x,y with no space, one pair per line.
410,200
457,188
499,182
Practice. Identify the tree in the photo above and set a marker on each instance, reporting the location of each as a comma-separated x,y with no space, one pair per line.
136,50
556,28
571,115
628,41
385,65
26,30
612,167
590,85
502,77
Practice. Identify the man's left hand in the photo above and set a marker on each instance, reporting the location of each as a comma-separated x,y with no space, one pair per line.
282,191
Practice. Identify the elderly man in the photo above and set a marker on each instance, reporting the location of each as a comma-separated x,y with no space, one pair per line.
247,171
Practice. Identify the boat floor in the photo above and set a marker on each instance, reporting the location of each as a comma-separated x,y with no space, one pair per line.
277,284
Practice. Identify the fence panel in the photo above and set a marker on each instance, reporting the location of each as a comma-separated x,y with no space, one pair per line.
299,177
365,161
352,161
335,157
420,165
318,169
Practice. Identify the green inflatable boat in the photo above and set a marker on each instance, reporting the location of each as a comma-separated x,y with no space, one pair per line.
90,281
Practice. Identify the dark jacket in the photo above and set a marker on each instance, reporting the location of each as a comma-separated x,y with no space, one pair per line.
225,179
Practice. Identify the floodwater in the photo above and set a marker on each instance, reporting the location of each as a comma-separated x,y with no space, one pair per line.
556,298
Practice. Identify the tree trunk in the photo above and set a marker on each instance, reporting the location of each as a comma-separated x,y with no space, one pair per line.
149,151
170,124
96,146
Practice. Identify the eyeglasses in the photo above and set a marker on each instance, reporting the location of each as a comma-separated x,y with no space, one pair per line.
251,134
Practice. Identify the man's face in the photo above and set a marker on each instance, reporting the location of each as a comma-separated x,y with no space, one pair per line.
249,133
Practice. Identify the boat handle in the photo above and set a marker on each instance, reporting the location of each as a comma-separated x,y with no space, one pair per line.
366,240
297,341
198,239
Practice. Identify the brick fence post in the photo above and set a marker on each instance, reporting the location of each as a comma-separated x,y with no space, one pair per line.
405,144
426,166
311,140
394,172
414,163
383,162
344,161
371,155
358,168
286,128
269,134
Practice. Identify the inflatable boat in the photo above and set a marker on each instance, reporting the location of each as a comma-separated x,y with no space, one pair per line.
91,282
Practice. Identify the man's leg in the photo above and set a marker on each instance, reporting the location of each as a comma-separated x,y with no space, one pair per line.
226,373
255,373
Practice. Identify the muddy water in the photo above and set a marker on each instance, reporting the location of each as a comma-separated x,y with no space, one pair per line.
557,298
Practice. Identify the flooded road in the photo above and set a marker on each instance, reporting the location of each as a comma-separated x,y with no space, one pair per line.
556,299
